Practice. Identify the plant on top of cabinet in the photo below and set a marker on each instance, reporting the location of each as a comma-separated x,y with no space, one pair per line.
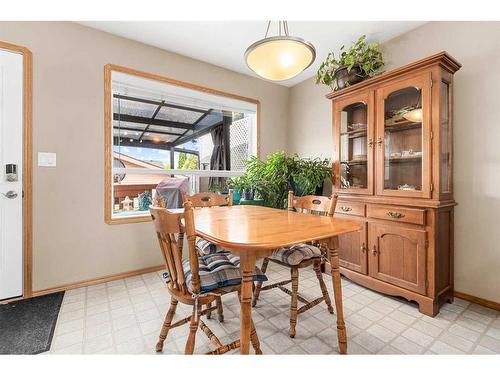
362,60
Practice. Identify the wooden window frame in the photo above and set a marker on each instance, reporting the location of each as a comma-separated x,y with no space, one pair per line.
108,136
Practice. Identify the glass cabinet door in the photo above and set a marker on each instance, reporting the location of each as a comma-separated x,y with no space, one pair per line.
354,139
403,138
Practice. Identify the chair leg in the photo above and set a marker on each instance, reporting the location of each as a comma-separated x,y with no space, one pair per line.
209,314
256,292
293,306
324,290
193,327
255,340
220,312
166,324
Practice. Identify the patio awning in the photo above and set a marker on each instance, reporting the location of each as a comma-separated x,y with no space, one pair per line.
149,123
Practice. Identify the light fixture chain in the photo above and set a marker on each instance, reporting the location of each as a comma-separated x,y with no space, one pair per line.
267,30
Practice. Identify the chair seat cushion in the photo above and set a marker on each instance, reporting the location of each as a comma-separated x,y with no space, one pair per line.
204,247
216,271
295,254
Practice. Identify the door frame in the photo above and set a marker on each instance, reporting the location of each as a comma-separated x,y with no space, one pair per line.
27,164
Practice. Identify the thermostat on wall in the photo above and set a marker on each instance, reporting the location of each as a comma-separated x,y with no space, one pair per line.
46,159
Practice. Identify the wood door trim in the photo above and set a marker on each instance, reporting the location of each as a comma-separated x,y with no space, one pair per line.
108,150
27,164
97,280
478,300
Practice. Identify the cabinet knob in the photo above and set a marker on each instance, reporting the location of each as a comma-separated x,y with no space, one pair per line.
370,142
379,141
345,208
374,251
363,248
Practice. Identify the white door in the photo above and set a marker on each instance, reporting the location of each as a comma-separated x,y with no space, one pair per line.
11,152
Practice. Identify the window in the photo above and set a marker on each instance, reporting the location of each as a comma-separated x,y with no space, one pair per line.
168,137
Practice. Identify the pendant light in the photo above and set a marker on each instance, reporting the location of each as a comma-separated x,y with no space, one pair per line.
280,57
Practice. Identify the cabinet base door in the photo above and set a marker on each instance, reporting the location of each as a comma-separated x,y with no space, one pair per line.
353,251
397,255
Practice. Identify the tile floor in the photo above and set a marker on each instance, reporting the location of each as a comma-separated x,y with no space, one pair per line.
125,317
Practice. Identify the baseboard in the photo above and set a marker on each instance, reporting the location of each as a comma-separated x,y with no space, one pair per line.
479,301
99,280
9,300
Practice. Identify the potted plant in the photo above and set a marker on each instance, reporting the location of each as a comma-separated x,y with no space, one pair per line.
309,176
273,177
247,188
362,60
243,186
220,188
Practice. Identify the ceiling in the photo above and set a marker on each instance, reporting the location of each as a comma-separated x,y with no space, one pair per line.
223,43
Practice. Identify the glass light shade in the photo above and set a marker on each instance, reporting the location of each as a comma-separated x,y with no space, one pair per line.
414,115
279,58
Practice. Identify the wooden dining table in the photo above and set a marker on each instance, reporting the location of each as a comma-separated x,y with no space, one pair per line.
253,232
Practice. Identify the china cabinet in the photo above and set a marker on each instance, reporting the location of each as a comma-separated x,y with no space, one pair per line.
393,172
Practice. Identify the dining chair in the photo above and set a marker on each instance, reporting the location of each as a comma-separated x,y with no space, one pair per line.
300,256
204,247
208,199
195,281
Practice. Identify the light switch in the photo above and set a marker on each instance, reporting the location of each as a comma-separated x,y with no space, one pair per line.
46,159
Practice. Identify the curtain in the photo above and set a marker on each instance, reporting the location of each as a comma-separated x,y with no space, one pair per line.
218,158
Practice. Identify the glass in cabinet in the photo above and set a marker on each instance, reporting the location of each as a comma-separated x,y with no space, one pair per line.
354,142
403,138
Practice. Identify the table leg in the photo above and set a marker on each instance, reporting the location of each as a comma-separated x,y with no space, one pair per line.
337,291
247,268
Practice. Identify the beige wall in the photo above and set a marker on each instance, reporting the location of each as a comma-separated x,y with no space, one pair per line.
476,139
71,242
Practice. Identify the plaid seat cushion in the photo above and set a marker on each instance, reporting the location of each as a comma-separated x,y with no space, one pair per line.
216,271
295,254
204,247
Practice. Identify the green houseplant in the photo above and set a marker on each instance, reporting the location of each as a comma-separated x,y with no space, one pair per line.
221,188
273,177
362,60
309,176
242,186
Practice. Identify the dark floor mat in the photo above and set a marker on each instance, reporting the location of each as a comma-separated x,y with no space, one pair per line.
27,326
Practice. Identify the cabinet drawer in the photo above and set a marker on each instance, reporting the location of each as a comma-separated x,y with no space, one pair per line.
396,213
350,208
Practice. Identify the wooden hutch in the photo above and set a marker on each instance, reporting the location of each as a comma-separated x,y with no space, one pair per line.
393,172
